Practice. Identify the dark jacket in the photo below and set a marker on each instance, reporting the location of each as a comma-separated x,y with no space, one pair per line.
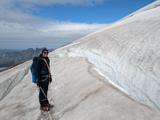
42,69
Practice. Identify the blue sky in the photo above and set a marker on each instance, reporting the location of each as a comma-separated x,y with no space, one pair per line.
107,12
53,23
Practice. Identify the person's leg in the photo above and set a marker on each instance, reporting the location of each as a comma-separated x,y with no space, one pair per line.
43,89
46,92
42,97
46,102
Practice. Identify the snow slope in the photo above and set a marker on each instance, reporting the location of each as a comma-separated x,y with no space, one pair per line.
10,78
79,93
127,53
93,77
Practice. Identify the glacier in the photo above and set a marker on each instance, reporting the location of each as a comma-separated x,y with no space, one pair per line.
110,74
127,54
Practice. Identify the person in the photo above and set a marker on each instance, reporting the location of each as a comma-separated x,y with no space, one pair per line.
44,78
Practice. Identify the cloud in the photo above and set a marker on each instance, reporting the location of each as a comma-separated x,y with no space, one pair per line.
15,35
20,29
60,2
48,30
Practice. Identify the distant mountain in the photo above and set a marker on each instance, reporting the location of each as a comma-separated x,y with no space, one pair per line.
10,57
9,50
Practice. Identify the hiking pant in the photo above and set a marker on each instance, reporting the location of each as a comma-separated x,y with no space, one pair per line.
43,89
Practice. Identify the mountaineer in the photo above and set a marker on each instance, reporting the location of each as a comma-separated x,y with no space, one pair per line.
41,75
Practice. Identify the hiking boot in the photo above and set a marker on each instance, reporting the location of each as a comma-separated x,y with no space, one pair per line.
50,105
45,108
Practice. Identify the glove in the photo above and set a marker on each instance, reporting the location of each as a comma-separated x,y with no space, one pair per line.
38,83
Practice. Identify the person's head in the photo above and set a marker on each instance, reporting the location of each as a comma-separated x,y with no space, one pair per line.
45,52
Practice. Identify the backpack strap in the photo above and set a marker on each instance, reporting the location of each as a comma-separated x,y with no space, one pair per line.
47,66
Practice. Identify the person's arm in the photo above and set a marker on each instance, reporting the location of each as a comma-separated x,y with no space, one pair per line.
49,62
50,70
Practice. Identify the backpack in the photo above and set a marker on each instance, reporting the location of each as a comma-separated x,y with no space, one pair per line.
33,69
